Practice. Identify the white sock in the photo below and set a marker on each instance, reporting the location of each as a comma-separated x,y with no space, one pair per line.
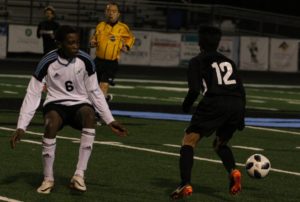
48,155
85,150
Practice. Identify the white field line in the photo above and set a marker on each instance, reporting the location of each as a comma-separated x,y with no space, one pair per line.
12,85
3,198
174,89
177,89
172,145
16,76
31,141
247,148
272,86
275,91
257,101
274,99
274,130
171,99
297,147
262,108
152,81
101,142
234,146
123,87
10,92
169,82
157,151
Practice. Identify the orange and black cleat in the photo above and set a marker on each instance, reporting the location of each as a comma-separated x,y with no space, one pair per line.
235,185
182,191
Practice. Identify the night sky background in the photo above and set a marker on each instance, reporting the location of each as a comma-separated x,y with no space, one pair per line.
286,7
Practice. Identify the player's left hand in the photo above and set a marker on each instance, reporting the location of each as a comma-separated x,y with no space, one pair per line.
16,137
118,129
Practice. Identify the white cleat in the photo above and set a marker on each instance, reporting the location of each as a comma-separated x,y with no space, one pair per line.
45,187
77,182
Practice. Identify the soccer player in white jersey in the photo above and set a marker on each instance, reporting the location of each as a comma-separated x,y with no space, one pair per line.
72,98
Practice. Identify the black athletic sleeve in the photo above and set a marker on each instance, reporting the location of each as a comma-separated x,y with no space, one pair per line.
194,84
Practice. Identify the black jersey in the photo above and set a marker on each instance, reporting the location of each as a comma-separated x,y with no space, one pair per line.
212,74
222,108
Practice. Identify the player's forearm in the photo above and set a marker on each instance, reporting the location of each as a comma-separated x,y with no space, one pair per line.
189,100
99,102
30,103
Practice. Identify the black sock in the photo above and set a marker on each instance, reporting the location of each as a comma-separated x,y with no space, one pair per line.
186,163
225,154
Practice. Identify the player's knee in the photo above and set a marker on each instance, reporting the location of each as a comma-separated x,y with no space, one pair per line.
51,129
87,116
190,140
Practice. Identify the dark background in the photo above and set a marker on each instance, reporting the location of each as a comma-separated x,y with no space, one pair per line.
283,7
287,7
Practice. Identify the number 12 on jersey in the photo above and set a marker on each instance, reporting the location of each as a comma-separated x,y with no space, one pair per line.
224,71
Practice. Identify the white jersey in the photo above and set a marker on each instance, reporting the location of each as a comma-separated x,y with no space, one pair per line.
69,82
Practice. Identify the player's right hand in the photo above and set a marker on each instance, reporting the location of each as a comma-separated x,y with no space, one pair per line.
118,129
16,137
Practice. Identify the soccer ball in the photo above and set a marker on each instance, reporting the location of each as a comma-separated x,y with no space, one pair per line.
258,166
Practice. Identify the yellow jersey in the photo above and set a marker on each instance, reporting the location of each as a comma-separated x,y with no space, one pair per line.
111,38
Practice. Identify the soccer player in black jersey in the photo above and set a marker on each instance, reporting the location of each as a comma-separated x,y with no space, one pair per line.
221,110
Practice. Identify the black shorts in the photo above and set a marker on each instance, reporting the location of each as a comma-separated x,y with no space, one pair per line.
67,113
106,70
221,114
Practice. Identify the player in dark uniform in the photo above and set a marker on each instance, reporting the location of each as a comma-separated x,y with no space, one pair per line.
47,28
221,109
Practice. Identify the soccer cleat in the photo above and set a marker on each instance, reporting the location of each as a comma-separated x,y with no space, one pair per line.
45,187
235,182
77,182
182,191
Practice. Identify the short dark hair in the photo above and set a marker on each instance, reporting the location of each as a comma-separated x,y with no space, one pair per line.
63,31
49,8
114,4
209,37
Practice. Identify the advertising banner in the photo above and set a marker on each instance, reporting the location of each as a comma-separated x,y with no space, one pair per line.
229,47
189,48
165,49
254,53
3,40
140,52
23,39
284,55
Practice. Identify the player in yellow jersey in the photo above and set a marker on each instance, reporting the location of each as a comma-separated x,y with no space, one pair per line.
110,38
